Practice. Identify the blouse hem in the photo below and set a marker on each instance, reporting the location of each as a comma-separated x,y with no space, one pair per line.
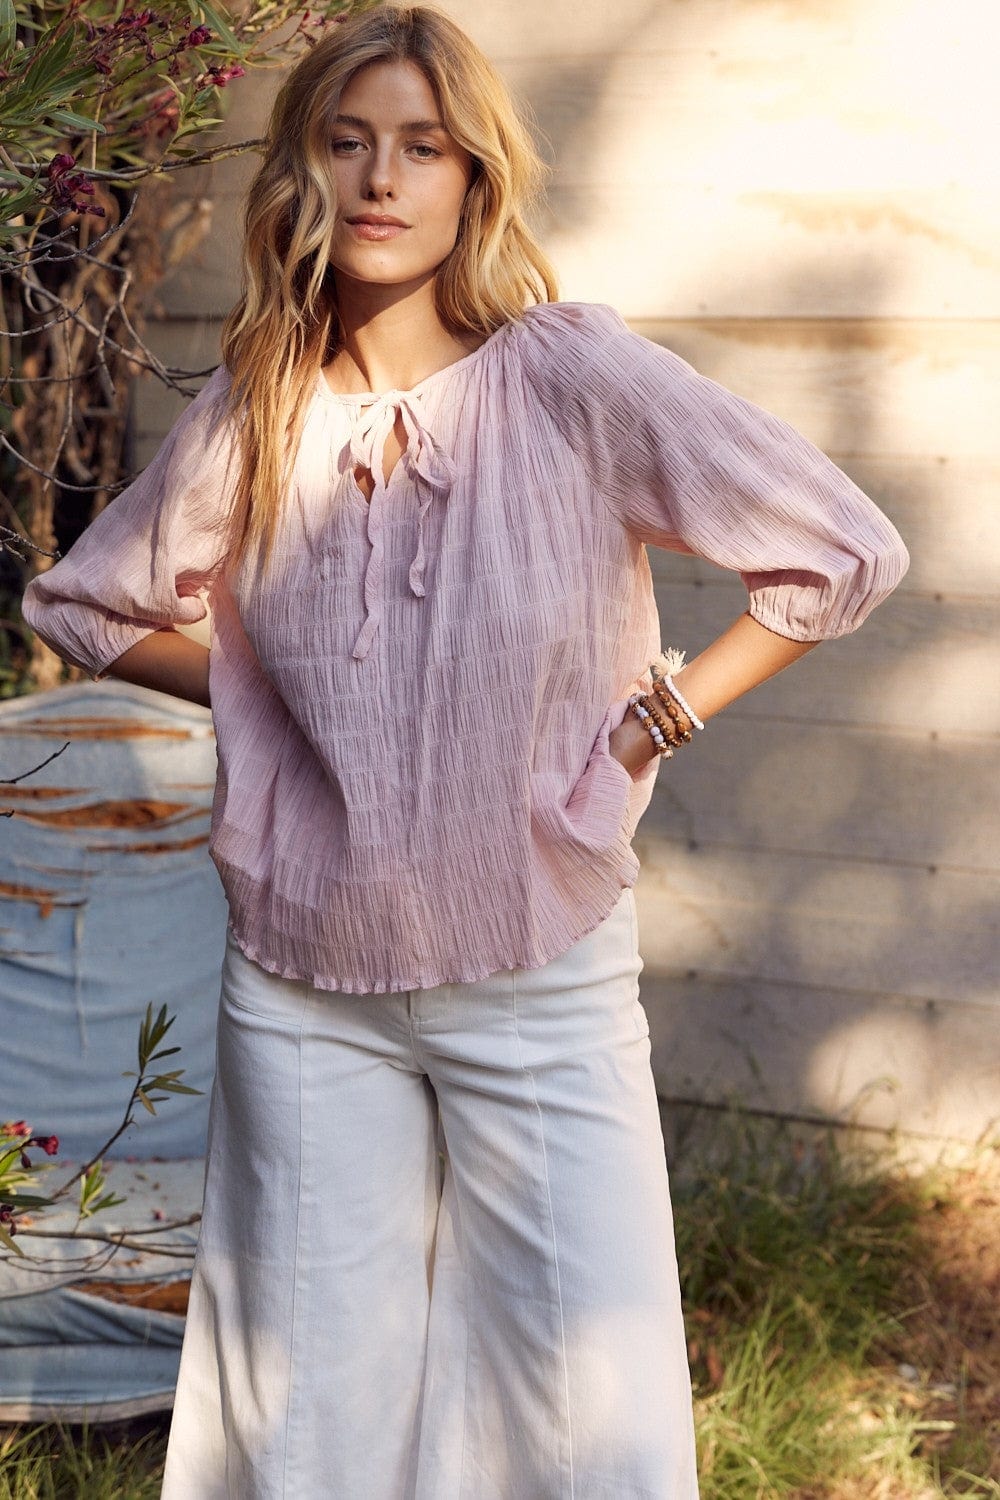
392,986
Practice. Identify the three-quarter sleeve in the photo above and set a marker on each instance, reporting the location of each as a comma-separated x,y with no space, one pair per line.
143,562
688,465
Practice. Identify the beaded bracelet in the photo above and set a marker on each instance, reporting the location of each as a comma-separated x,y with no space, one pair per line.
662,670
667,724
681,730
681,701
640,707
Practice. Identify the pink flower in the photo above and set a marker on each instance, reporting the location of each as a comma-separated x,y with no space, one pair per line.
69,190
48,1143
198,37
59,166
16,1127
220,76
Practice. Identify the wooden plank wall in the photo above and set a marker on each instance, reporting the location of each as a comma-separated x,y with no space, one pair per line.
800,198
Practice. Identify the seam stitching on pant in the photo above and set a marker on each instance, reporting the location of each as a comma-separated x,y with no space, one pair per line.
466,1299
295,1274
552,1226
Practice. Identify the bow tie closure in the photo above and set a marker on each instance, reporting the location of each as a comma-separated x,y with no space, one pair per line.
425,462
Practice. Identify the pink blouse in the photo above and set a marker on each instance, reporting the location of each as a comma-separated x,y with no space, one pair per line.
412,706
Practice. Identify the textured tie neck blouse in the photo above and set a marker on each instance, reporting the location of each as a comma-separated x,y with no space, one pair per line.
412,705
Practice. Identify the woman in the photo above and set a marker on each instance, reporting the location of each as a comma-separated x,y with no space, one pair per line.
416,495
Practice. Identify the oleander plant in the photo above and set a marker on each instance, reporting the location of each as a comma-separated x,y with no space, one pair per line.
105,109
22,1202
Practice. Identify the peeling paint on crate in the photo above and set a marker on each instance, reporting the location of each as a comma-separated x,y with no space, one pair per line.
175,846
41,793
160,1296
97,727
127,812
45,900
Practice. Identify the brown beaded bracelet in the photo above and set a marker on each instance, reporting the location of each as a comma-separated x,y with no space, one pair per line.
642,708
665,723
672,708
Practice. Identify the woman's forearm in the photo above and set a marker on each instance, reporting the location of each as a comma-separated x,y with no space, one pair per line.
741,658
168,662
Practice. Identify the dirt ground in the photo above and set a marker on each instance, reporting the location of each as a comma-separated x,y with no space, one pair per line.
954,1348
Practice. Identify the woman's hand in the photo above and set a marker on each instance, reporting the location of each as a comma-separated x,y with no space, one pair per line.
631,745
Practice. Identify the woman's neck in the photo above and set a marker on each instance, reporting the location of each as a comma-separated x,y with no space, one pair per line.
391,345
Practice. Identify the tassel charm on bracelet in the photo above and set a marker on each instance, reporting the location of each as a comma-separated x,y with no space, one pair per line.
662,670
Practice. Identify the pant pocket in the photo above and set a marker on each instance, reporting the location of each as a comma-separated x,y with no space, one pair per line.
249,988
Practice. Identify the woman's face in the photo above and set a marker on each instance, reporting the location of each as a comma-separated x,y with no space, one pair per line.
392,157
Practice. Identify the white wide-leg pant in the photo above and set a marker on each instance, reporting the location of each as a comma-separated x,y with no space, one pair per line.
436,1260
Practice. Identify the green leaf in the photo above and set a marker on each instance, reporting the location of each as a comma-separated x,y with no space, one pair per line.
108,1201
5,1239
8,25
175,1088
151,1033
221,27
26,1200
71,121
144,1100
48,62
92,1181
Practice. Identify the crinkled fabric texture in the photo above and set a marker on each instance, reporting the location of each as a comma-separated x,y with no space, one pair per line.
413,704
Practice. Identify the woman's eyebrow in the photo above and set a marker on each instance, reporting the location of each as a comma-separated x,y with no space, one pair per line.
409,125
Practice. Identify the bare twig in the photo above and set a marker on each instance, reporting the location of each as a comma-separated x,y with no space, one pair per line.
13,780
126,175
63,484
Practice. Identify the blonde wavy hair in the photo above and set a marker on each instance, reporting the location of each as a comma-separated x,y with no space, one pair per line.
286,327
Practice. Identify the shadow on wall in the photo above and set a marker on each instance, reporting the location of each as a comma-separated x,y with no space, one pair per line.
818,897
832,943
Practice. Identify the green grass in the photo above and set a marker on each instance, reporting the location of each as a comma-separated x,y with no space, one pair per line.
807,1274
83,1463
809,1277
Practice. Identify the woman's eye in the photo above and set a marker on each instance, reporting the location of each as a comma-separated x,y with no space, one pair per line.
349,145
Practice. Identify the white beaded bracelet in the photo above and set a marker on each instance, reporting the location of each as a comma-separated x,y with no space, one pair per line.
661,670
681,701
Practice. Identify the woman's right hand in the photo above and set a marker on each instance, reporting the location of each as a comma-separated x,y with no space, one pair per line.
631,745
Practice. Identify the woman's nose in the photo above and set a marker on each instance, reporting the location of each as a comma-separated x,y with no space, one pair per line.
381,177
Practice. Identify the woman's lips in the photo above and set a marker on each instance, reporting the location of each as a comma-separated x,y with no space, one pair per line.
376,231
